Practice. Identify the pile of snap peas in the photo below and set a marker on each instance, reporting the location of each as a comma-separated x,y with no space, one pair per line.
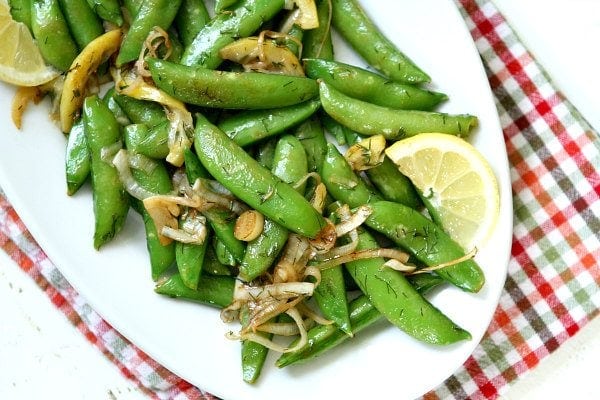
259,135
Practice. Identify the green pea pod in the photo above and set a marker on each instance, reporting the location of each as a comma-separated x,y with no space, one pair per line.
294,39
193,167
216,291
82,21
77,159
322,338
223,254
317,43
265,153
108,10
155,178
189,258
20,10
236,90
111,201
262,251
253,354
251,126
423,283
110,100
350,20
132,7
311,135
212,266
389,181
253,184
141,111
342,183
222,223
370,87
330,295
289,165
225,28
156,142
191,18
52,35
371,119
399,302
151,13
426,242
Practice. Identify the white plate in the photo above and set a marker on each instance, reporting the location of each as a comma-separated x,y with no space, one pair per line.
189,339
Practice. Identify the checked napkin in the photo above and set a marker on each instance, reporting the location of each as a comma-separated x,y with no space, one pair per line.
553,283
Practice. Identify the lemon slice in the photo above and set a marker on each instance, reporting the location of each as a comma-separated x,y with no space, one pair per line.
21,62
456,183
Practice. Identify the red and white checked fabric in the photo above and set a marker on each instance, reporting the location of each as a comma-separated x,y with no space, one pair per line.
552,289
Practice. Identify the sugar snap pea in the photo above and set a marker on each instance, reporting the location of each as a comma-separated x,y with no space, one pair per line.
265,153
317,42
251,126
351,21
154,178
111,201
242,21
151,13
212,290
289,165
110,100
190,19
342,183
371,119
108,10
370,87
220,89
77,158
141,111
51,32
389,181
311,135
322,338
399,302
83,23
253,354
249,181
425,241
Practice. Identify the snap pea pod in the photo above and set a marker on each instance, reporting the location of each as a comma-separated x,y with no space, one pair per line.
423,283
399,302
253,184
253,354
371,119
77,158
322,338
330,295
236,90
224,28
110,100
212,290
51,33
289,165
389,181
155,144
151,13
371,87
212,266
155,178
141,111
108,10
190,19
189,257
311,135
20,10
294,39
265,153
426,242
111,201
342,183
317,42
132,7
83,23
251,126
351,21
224,256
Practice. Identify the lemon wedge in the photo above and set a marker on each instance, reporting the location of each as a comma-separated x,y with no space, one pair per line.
456,183
21,62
